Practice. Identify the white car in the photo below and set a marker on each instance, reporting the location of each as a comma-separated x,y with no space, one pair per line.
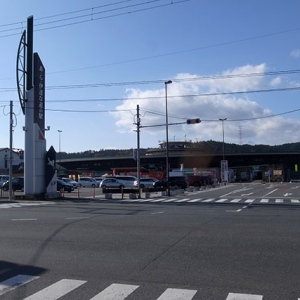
145,182
88,182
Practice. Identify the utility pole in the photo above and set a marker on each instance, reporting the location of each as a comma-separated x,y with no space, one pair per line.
138,124
10,149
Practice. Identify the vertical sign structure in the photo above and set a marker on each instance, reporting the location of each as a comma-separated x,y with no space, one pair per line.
224,171
28,109
39,126
33,106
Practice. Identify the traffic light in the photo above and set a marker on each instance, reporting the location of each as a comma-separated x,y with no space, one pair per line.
193,121
21,154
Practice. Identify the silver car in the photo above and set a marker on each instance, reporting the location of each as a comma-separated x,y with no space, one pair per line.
88,182
145,182
108,183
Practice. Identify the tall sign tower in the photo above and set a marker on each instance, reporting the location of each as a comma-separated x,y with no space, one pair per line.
31,90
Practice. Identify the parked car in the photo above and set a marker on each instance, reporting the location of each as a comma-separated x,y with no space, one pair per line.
3,178
71,181
108,183
128,181
17,184
98,179
145,182
88,182
64,185
179,181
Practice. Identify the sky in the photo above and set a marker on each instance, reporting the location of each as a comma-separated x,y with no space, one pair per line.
235,60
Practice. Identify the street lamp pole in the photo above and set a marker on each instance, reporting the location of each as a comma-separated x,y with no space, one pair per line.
167,137
222,120
59,133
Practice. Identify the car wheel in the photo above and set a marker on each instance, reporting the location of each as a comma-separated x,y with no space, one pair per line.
5,188
103,187
142,186
121,187
93,186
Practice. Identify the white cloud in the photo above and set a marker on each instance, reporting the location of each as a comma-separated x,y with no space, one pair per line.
184,103
295,53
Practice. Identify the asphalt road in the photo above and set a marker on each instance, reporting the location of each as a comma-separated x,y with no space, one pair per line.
149,251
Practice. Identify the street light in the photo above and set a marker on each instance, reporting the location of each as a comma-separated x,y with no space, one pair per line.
167,136
59,133
222,120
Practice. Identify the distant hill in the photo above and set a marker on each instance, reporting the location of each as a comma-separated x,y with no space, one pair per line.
204,147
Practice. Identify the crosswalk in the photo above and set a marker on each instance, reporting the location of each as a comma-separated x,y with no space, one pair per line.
114,291
214,200
19,204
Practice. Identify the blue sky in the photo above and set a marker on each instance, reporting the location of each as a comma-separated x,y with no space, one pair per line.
118,55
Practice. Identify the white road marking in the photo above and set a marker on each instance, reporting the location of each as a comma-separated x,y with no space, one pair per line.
209,200
264,200
177,294
182,200
169,200
195,200
247,194
56,290
235,200
249,200
221,200
279,201
24,219
295,201
116,292
234,296
77,218
270,192
14,282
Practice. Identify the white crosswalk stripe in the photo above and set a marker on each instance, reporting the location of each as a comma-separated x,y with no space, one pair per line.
14,205
14,282
177,294
295,201
279,200
264,200
115,291
208,200
235,200
195,200
221,200
232,296
56,290
249,200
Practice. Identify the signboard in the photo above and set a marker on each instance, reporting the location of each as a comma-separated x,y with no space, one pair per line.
39,92
224,171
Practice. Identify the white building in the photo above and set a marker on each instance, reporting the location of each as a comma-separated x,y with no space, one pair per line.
17,161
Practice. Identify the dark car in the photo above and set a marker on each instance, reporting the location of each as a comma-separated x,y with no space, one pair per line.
179,181
65,186
17,184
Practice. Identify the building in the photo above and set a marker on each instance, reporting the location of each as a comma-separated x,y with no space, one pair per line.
17,161
184,155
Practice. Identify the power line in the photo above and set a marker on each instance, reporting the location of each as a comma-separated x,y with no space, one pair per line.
160,81
128,9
